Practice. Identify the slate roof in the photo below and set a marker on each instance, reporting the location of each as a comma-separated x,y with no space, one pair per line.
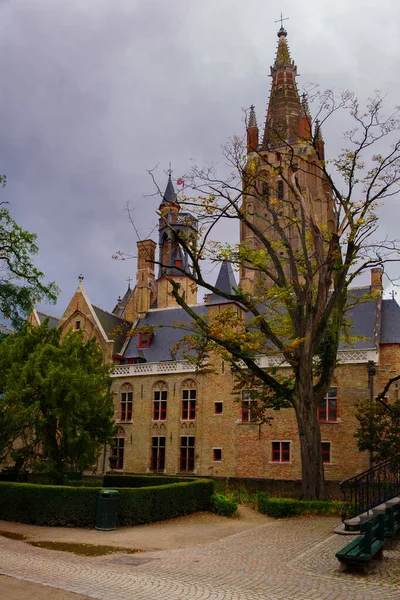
390,324
165,334
53,321
363,317
169,194
226,282
114,327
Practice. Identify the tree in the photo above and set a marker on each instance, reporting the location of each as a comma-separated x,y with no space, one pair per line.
56,408
378,431
297,257
21,283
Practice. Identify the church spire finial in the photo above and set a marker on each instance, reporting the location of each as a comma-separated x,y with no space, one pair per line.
282,31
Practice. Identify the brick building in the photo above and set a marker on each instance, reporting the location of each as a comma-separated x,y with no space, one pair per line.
174,420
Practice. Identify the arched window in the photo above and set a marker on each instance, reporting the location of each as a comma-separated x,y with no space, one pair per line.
160,397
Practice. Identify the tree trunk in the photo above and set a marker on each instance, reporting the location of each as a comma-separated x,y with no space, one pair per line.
312,471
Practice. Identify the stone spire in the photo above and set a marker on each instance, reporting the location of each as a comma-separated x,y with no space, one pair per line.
284,108
252,131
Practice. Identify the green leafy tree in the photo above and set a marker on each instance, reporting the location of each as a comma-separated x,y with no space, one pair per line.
56,408
21,283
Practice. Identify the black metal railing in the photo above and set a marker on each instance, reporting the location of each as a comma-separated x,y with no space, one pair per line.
371,488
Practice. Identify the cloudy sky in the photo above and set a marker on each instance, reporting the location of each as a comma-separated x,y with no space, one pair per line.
94,92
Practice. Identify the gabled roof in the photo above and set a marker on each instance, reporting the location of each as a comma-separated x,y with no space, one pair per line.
119,309
53,321
114,327
390,324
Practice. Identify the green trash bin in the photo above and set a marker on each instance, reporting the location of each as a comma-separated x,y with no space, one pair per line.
107,505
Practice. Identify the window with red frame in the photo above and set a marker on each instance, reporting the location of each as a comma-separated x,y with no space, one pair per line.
118,452
144,339
160,405
281,452
157,453
188,405
326,452
126,406
187,453
327,410
247,408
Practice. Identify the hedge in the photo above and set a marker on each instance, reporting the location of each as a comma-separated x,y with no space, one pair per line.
222,505
287,507
137,481
64,505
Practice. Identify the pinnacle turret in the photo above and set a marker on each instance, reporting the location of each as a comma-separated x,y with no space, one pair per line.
252,131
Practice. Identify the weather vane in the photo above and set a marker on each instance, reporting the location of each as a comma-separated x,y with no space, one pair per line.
281,20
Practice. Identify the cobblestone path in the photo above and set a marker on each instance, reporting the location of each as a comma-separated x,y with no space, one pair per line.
282,560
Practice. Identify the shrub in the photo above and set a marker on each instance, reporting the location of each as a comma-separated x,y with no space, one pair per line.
86,483
137,481
68,505
222,505
287,507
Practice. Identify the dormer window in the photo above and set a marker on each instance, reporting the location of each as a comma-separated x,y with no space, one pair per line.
144,339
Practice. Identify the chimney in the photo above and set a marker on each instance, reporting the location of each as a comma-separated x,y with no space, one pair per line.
376,280
145,275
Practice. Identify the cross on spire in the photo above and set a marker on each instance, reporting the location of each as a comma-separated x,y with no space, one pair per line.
281,20
129,282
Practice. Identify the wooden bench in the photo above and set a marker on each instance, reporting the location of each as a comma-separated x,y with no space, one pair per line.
361,550
392,520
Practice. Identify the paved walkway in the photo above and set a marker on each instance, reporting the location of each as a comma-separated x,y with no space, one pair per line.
280,560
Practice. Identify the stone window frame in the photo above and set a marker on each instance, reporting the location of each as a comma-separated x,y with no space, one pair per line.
189,400
187,453
160,401
278,452
158,453
126,403
248,415
325,408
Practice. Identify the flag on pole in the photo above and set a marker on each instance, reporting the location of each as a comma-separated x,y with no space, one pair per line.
180,182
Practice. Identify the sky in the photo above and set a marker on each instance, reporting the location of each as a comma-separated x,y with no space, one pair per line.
94,93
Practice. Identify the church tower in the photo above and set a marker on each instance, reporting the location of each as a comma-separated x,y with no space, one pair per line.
290,152
173,259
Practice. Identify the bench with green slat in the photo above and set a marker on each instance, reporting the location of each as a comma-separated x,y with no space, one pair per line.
362,549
